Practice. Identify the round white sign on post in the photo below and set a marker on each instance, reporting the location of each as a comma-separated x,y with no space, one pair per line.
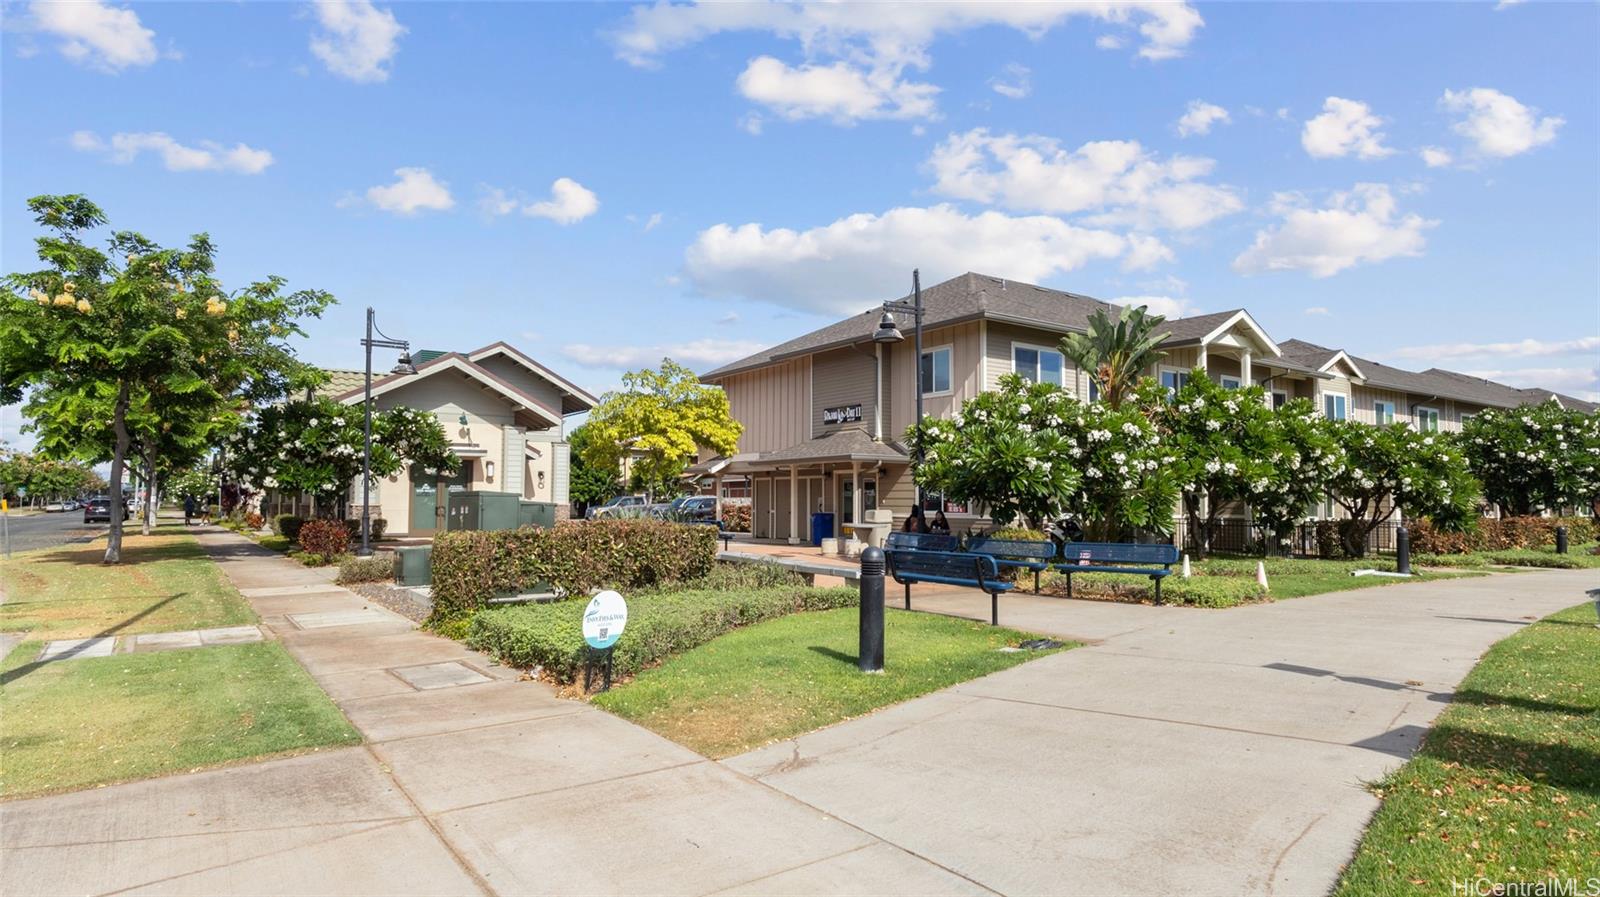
604,619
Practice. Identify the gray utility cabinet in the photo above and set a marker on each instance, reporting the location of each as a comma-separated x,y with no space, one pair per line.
497,510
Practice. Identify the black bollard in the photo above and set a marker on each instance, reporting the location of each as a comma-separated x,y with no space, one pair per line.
870,652
1561,540
1402,551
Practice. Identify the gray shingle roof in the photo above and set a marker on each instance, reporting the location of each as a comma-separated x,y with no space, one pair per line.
849,444
1439,382
341,381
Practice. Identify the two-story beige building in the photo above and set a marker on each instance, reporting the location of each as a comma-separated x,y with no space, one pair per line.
824,413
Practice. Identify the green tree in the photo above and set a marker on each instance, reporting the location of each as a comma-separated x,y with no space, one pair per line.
588,485
666,417
1223,440
1539,457
1392,468
1116,354
1302,461
315,446
1004,451
1129,485
96,335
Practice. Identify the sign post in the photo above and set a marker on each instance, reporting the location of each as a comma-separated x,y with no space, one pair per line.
603,621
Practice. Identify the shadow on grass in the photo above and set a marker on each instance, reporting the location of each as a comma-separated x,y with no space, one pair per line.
834,654
1561,765
1486,699
10,676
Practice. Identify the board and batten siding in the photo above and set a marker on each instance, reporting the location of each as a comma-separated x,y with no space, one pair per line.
773,403
966,363
1362,398
1003,338
840,378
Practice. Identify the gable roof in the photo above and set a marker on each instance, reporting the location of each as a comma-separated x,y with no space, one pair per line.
455,361
574,399
341,381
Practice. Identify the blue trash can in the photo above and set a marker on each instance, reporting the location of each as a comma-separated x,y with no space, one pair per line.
821,528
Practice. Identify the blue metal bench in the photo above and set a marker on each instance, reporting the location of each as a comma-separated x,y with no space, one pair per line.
1024,554
921,542
1154,561
956,568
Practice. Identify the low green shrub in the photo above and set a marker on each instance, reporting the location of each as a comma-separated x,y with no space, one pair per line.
1502,534
728,576
288,526
660,624
1196,591
375,528
574,557
1427,559
1530,558
378,568
325,539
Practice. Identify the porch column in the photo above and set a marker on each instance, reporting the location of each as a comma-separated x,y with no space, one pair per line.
716,512
1200,360
794,502
855,494
1245,380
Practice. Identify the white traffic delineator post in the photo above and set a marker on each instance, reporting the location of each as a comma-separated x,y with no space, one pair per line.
1186,572
1261,574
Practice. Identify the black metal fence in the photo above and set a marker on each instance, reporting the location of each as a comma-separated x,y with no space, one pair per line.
1312,539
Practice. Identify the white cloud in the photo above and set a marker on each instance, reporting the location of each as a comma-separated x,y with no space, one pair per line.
1361,226
1436,157
1166,306
415,191
1497,124
1318,311
652,222
1344,127
96,34
358,40
1109,42
1016,84
1116,180
1199,118
1582,381
123,148
1145,251
856,55
841,92
569,202
731,317
1526,348
841,267
1507,4
695,353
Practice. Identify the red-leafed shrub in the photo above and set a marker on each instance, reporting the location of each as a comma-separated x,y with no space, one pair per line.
736,517
326,539
1503,534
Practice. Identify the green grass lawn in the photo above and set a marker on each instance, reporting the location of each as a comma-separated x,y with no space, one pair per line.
164,583
1230,581
1579,557
1507,783
787,676
75,723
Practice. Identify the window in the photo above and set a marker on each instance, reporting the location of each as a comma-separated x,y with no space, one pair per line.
1428,420
1094,390
1280,398
1037,364
1382,413
1173,379
936,371
1466,416
1230,382
935,501
1333,405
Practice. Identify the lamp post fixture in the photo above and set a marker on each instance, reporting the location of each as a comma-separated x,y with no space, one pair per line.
404,366
889,333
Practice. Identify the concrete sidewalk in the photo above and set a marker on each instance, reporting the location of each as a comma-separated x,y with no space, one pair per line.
1185,751
472,782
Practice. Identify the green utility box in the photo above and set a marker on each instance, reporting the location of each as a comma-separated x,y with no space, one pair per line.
413,565
536,513
484,510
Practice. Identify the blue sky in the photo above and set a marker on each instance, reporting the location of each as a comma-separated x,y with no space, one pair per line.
604,184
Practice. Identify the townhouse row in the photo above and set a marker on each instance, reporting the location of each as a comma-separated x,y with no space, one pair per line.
824,414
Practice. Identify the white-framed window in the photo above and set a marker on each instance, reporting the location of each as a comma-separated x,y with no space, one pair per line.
1427,419
1382,413
1037,363
1173,379
1466,416
1335,405
1229,382
936,370
1094,390
1280,398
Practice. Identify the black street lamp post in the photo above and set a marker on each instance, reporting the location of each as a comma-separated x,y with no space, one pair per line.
403,367
888,333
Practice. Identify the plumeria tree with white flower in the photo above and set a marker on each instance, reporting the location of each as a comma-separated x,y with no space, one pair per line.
315,447
1004,450
1395,467
1129,484
1303,456
1540,457
1224,442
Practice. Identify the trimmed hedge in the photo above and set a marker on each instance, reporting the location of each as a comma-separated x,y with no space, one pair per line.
660,624
574,557
378,568
1502,534
288,526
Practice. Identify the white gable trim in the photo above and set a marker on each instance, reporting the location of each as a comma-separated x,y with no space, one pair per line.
1243,317
537,369
473,372
1348,361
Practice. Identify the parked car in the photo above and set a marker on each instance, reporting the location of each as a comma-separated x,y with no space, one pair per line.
697,508
99,509
621,506
55,506
72,504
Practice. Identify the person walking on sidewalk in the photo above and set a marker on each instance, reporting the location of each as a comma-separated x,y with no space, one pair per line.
188,509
